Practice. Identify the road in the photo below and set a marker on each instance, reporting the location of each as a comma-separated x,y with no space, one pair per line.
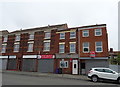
14,79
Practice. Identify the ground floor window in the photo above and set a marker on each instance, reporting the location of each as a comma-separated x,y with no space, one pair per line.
64,64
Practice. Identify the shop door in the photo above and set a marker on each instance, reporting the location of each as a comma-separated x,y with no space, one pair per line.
75,67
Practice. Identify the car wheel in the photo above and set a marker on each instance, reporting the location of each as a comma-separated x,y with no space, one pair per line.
119,80
94,78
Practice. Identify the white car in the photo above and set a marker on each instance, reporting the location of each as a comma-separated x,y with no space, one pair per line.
103,73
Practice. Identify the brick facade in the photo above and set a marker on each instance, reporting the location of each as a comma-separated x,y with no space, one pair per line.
55,30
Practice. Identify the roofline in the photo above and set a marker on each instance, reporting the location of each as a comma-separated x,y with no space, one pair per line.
49,26
85,27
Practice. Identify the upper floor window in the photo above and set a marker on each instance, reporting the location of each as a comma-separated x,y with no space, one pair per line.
61,48
99,47
98,32
3,48
86,47
5,39
85,33
73,34
17,38
30,46
31,37
16,47
47,35
47,45
62,35
72,47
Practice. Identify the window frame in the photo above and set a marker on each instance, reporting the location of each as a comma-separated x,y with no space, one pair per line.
30,50
16,38
62,35
31,35
46,46
65,62
98,31
83,32
86,47
5,38
18,48
4,50
74,48
62,48
46,36
98,46
73,34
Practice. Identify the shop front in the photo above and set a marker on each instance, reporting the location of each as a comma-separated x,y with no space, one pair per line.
12,63
68,63
3,62
46,63
29,63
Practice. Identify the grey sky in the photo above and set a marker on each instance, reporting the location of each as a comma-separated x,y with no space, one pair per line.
33,13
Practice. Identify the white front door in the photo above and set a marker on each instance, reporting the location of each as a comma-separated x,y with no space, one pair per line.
75,67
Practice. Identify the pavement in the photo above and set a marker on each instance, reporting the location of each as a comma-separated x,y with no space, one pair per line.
66,76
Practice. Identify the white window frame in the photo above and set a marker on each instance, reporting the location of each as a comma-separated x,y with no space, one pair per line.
46,36
99,46
17,38
65,64
86,47
62,36
30,49
3,50
31,36
85,31
73,34
5,38
96,30
62,48
72,48
48,46
17,48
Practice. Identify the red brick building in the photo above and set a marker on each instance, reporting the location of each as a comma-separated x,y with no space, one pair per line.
49,48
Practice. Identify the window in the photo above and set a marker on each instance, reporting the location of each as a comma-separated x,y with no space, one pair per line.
31,37
64,64
17,38
72,34
98,32
72,47
16,47
85,47
85,33
5,39
98,46
30,46
62,35
108,71
46,46
61,48
3,48
99,70
47,35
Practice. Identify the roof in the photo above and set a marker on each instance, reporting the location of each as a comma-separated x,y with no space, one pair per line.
88,26
41,28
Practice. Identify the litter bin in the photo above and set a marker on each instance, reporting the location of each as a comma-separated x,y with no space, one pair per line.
57,71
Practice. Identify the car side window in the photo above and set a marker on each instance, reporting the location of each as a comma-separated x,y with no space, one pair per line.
99,70
108,71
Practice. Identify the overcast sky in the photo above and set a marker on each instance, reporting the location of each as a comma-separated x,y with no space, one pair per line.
17,14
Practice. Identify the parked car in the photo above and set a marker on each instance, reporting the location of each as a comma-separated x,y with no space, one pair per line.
95,74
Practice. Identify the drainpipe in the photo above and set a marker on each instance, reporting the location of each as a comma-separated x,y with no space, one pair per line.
78,50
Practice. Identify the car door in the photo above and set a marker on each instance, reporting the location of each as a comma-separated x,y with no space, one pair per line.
109,74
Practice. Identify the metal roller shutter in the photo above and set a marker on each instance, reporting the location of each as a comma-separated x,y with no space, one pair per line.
46,65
